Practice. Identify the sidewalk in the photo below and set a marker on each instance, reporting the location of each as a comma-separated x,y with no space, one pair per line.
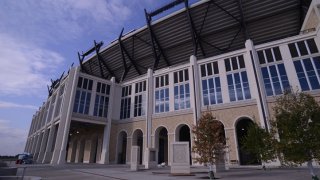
122,172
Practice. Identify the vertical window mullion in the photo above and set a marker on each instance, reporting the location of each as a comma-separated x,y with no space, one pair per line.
242,88
305,42
271,81
279,77
306,74
234,87
297,48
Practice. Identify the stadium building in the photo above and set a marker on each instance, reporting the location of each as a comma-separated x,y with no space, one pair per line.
149,87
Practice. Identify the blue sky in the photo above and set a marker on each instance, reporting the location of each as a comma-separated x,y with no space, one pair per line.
39,40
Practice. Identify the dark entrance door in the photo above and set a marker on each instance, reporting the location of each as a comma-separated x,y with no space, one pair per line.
163,146
184,136
245,158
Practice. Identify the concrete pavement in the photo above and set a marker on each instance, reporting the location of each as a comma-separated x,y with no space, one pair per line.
122,172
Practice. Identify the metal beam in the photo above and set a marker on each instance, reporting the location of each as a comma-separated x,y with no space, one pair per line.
155,43
80,62
165,7
196,39
97,49
124,51
243,21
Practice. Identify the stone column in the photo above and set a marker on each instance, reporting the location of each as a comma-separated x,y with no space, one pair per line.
107,129
59,152
47,154
43,145
194,88
149,108
256,83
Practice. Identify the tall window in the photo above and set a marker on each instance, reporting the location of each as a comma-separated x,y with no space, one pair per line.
306,59
102,100
273,72
162,94
140,99
211,87
238,84
83,96
125,102
58,106
181,90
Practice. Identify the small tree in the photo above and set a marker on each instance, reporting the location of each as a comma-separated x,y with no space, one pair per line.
209,141
297,120
260,143
297,124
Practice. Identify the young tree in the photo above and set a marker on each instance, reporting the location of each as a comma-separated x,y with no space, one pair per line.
209,141
297,121
260,143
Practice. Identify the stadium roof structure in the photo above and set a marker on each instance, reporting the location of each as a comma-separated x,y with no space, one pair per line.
205,28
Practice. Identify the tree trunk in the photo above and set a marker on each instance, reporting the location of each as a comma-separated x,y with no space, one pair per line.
211,173
310,166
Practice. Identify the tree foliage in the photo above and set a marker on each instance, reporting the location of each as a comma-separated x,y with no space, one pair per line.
260,143
209,140
297,121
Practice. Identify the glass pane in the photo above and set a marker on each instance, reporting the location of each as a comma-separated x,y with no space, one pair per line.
269,55
246,87
96,104
167,79
301,76
108,90
205,92
302,48
261,57
87,103
175,77
312,46
218,90
203,70
90,85
209,69
241,62
215,68
311,74
211,91
182,99
80,82
76,101
161,81
293,50
180,76
85,83
234,63
231,87
277,53
103,89
227,64
238,86
186,75
157,82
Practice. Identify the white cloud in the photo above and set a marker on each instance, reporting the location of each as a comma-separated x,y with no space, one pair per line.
12,139
25,68
4,104
58,20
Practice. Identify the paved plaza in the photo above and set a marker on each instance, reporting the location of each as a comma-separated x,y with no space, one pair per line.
122,172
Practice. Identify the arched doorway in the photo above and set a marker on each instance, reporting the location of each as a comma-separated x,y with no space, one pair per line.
183,135
122,148
162,145
137,140
245,158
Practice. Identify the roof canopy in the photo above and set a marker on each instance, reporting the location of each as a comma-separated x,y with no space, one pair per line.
205,29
